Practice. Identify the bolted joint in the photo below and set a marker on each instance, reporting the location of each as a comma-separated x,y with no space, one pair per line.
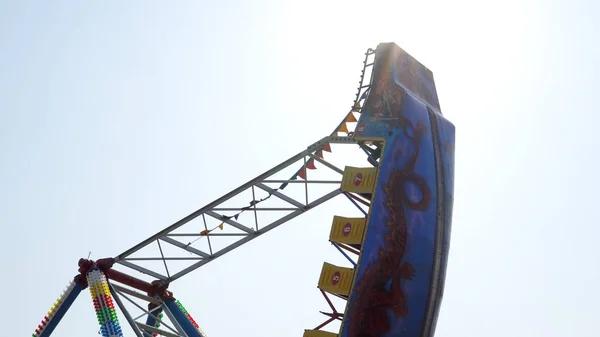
105,264
84,267
159,288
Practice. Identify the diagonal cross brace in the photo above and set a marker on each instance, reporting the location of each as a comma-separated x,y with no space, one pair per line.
246,233
249,184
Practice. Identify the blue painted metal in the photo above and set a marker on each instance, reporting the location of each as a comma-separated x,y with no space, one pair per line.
355,204
62,310
180,317
400,275
150,321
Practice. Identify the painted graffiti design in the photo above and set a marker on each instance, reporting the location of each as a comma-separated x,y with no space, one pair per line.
382,283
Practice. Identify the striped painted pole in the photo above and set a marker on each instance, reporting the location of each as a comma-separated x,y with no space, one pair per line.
103,304
58,309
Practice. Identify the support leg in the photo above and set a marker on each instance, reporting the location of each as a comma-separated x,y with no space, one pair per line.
58,310
103,304
184,319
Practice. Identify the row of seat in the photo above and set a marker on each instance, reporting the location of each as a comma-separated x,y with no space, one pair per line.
348,234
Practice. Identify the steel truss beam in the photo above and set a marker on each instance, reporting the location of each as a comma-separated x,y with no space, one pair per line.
288,208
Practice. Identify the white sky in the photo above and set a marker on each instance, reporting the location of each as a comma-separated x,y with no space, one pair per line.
118,119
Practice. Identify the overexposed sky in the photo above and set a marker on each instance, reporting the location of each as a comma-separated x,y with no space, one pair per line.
119,118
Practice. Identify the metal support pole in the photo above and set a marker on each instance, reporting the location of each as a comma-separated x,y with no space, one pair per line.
183,321
344,253
103,303
356,204
62,310
171,316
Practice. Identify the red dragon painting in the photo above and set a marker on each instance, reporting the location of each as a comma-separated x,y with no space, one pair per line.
376,300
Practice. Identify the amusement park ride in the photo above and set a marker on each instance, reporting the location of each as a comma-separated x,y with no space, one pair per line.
397,250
